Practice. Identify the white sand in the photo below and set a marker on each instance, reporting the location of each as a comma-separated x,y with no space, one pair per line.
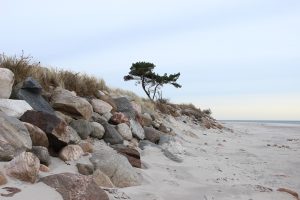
217,165
232,166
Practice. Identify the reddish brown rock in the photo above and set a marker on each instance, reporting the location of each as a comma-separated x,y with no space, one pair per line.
44,168
75,187
71,152
118,118
86,146
131,154
24,167
102,179
37,135
55,128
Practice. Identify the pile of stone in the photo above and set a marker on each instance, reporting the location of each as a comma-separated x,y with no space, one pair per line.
34,129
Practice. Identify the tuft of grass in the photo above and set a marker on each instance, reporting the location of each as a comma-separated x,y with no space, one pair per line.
23,67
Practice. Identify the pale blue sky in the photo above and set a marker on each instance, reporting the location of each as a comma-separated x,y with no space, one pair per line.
239,58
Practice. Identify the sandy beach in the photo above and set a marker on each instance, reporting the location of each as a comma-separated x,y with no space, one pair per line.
246,161
251,162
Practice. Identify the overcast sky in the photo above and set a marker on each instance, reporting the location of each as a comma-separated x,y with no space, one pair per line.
241,58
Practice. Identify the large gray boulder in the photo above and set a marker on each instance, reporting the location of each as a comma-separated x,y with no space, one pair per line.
125,106
6,83
32,85
124,131
14,137
67,102
14,108
42,154
75,187
32,97
98,130
111,135
115,166
54,127
152,134
137,129
82,127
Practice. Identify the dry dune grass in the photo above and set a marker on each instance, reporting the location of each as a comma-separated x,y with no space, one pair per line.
24,67
146,104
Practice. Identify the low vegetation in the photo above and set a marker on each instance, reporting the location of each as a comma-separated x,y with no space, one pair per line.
23,67
84,85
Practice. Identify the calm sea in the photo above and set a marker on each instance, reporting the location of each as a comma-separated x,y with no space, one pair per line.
263,121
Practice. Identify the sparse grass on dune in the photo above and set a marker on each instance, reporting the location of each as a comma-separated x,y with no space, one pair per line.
147,105
24,67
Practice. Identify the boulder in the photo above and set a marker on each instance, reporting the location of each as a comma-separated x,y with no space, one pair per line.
37,135
6,82
110,101
35,100
107,116
82,127
67,102
100,106
14,108
97,130
63,117
124,106
124,131
55,128
86,146
172,156
102,180
74,137
118,118
75,187
14,137
32,85
3,179
42,154
152,134
137,130
85,169
71,152
163,128
166,139
147,120
97,118
131,154
111,135
136,107
144,143
115,166
24,167
44,168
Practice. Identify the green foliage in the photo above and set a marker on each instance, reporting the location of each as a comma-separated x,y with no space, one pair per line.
151,82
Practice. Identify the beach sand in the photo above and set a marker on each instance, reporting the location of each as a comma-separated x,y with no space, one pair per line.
248,163
244,164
